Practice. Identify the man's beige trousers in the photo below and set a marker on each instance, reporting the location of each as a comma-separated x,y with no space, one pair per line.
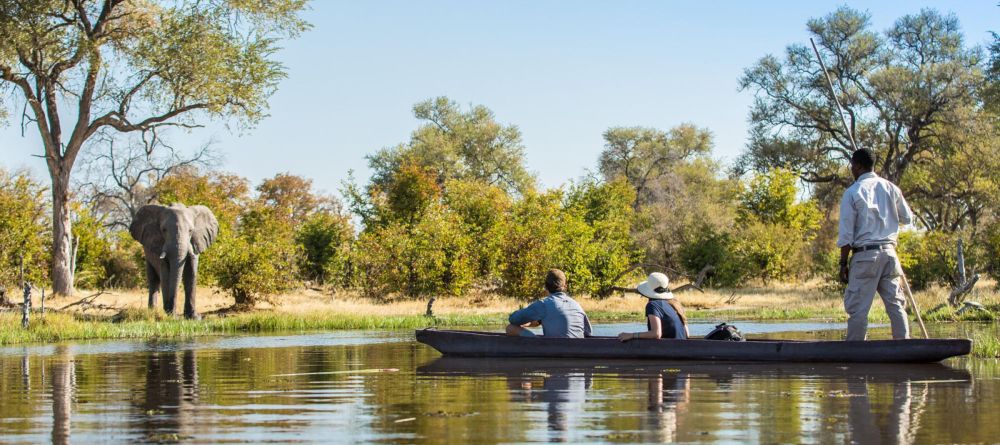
871,271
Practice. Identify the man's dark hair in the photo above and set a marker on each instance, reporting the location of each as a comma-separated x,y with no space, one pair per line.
864,158
555,281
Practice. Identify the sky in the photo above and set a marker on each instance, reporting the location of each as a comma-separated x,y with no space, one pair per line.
562,71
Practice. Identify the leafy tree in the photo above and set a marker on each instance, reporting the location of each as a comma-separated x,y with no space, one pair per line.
958,188
482,209
457,145
258,259
90,247
685,203
532,244
429,257
775,227
901,90
134,66
678,189
610,252
771,198
412,190
644,155
293,197
227,195
24,242
325,239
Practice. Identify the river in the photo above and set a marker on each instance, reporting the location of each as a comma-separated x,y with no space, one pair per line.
382,387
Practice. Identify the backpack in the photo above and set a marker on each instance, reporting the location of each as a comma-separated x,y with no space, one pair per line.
725,332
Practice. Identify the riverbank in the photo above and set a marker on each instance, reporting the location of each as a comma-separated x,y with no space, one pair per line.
121,315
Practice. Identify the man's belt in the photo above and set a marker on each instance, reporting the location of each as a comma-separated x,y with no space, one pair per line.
873,247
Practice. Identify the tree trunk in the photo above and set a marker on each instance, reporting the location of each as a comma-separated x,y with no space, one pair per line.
62,274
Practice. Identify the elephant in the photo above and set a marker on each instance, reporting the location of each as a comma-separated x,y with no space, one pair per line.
172,238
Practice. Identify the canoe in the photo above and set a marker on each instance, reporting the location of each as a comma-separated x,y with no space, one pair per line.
487,344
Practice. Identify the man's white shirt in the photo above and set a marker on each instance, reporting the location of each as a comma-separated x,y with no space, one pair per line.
871,212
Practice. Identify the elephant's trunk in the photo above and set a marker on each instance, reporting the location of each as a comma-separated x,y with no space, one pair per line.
173,257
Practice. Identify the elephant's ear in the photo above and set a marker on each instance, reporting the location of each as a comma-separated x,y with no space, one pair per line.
145,227
205,229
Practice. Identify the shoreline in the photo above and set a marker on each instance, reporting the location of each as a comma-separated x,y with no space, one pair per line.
121,315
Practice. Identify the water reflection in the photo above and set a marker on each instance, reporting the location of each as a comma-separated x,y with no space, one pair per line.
564,388
403,392
171,392
63,387
668,397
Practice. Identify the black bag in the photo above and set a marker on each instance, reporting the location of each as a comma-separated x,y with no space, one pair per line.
725,332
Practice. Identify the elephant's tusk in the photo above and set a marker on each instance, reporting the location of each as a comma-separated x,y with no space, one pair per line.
163,255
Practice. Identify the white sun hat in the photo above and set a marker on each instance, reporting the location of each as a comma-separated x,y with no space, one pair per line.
655,287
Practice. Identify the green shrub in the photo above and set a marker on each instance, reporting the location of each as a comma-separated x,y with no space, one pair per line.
430,257
257,261
325,239
25,231
932,257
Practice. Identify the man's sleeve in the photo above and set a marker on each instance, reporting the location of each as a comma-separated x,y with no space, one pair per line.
587,330
534,312
903,211
847,215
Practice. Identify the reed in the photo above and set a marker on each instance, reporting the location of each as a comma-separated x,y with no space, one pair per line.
985,344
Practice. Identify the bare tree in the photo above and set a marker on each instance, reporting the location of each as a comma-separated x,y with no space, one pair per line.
120,175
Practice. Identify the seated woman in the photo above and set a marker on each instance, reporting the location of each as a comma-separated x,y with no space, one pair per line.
664,314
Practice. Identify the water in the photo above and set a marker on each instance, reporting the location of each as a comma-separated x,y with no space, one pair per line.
379,387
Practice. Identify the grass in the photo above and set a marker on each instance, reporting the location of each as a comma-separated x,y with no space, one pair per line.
985,345
133,324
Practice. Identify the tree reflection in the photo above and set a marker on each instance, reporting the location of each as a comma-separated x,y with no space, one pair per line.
63,389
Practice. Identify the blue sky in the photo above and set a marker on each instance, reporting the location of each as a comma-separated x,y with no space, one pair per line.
562,71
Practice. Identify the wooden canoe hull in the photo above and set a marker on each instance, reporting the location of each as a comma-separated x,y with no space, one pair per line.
484,344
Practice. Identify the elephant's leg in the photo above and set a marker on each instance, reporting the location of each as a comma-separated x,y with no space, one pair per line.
190,286
165,292
153,283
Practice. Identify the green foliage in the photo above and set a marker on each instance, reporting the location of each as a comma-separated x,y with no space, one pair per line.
907,89
325,239
770,241
24,233
227,195
134,67
482,209
470,147
430,257
257,260
91,249
770,198
932,257
586,235
124,266
532,244
716,248
610,252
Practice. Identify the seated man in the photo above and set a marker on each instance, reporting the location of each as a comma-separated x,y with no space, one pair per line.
558,314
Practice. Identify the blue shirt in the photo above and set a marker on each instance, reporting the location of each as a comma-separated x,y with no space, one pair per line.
670,322
561,316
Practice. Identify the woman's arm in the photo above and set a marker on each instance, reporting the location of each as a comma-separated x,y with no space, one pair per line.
655,330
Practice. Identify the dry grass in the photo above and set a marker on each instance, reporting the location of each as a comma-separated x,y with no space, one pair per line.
775,301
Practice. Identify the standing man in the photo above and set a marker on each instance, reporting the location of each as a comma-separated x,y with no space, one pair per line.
870,214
